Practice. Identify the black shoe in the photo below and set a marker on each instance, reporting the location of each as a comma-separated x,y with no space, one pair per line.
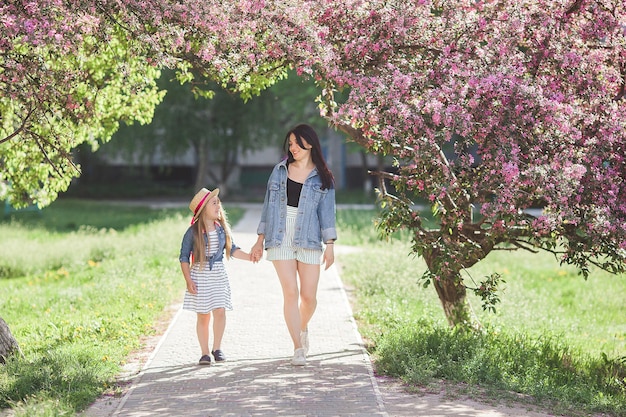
205,360
219,355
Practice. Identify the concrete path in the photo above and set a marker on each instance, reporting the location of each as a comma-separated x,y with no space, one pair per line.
258,378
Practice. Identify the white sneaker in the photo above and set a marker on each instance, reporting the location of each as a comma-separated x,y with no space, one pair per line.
299,357
304,339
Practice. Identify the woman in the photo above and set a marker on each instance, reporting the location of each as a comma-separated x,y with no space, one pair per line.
298,216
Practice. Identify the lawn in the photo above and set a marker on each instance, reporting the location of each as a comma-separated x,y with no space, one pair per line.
557,338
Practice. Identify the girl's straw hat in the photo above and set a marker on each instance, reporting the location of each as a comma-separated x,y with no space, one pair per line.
200,199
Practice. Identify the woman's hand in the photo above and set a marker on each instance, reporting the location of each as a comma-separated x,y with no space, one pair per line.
329,256
256,253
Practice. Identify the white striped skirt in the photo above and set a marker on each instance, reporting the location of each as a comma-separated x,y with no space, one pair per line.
287,251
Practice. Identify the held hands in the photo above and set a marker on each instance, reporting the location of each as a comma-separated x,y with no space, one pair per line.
256,253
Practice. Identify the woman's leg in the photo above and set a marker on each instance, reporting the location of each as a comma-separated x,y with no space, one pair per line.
309,279
202,330
287,271
219,325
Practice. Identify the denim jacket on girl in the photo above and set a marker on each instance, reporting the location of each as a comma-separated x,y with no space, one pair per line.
315,221
186,247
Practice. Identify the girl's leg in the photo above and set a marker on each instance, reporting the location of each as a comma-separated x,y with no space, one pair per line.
219,325
202,329
286,271
309,279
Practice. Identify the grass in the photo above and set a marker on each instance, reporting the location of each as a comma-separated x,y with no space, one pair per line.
557,340
80,284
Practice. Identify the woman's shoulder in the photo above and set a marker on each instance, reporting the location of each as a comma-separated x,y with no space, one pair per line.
314,176
281,166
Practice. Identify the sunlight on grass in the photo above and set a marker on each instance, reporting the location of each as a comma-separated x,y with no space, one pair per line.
545,307
541,296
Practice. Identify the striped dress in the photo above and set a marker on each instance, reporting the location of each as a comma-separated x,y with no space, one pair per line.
212,284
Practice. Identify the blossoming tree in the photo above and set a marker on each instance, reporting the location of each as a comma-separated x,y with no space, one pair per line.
488,107
67,76
529,98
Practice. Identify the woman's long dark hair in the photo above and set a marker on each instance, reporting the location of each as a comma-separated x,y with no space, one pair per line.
306,132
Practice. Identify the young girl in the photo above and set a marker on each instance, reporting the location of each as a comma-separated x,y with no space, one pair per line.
201,254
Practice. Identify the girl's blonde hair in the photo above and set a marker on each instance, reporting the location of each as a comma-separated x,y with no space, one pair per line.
199,254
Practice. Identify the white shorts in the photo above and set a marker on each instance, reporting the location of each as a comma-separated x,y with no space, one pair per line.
287,251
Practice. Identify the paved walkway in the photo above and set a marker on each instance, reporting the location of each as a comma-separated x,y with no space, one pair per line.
258,378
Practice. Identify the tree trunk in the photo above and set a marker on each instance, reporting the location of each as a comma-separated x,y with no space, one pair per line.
202,173
8,344
367,179
452,295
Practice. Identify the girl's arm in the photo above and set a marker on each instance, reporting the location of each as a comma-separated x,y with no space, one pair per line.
191,286
240,254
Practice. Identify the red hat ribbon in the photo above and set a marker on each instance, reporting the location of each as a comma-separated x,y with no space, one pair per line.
198,207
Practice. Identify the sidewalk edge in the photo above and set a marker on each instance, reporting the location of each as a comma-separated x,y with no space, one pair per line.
355,328
135,381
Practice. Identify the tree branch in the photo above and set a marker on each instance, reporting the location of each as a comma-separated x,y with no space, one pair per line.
19,129
574,8
622,88
39,139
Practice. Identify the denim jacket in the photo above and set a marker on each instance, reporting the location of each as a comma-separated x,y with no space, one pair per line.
186,247
315,221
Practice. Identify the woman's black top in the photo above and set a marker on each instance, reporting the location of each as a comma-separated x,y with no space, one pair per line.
293,192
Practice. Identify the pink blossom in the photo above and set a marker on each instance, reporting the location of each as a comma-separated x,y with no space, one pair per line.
497,104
